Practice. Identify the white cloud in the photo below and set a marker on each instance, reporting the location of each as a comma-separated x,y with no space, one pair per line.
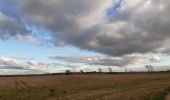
14,63
28,38
155,59
8,61
35,65
104,60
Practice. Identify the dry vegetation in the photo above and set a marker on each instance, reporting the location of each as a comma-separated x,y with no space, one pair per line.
83,87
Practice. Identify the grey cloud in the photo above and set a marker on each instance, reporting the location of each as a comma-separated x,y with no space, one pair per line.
13,67
9,27
144,29
64,16
104,60
138,26
11,24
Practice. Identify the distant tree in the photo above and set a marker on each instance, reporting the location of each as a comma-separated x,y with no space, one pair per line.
110,69
100,70
126,70
149,68
130,70
93,71
81,71
67,72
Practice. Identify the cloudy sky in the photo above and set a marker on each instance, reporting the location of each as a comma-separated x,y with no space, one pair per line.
40,36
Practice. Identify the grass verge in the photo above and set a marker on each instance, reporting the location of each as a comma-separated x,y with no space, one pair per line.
160,95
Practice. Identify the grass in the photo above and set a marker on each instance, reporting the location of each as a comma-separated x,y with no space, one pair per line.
160,95
84,87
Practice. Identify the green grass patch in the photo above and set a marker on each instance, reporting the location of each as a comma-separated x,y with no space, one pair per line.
160,95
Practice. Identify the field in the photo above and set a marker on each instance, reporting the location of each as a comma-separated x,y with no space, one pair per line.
86,87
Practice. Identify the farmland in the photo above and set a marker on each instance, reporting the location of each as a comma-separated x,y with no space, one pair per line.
86,87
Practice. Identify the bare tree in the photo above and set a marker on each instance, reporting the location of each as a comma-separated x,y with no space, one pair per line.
126,70
67,72
81,71
100,70
110,69
149,68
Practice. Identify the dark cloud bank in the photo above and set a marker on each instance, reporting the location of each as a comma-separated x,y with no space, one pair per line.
136,26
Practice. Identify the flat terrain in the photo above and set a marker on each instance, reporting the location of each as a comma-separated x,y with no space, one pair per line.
83,87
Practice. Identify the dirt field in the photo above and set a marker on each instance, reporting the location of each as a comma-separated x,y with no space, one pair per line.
83,87
168,97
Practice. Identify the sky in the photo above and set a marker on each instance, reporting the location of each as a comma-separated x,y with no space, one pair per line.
37,36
